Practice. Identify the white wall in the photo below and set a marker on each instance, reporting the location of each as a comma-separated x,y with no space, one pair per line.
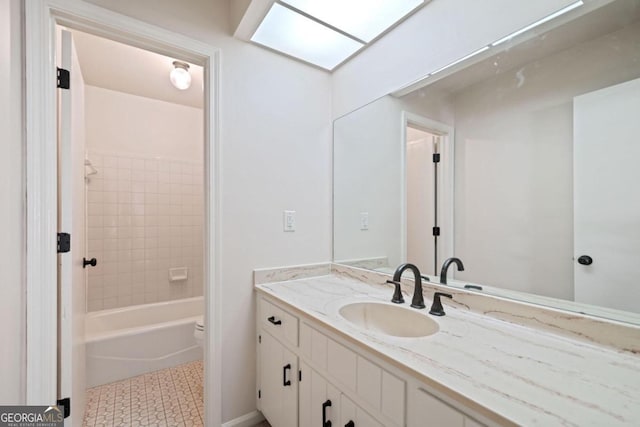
12,289
276,149
119,122
438,34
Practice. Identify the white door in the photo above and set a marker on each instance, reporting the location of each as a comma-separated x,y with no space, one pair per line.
71,219
421,201
607,196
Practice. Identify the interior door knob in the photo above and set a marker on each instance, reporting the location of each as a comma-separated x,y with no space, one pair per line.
92,262
585,260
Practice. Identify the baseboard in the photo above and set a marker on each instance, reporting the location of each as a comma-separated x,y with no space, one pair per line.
247,420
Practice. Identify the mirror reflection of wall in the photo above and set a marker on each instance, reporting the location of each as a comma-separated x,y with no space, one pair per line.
367,159
521,135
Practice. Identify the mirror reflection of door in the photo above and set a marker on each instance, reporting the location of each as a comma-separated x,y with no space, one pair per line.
422,183
606,198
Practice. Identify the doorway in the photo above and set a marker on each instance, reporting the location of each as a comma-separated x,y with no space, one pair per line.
428,192
42,172
131,180
422,199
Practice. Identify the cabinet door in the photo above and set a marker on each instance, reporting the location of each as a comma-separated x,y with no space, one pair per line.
319,400
353,416
425,410
278,383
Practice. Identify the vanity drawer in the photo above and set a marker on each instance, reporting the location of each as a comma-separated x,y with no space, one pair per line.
279,322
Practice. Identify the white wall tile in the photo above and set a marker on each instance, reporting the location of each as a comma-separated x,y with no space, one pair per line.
124,174
110,185
151,165
145,216
96,183
109,197
110,162
110,209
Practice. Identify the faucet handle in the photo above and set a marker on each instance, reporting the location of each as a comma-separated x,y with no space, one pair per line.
397,293
436,307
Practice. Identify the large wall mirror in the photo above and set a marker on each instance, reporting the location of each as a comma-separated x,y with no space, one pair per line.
522,160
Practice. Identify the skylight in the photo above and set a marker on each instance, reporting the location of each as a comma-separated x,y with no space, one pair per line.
296,35
363,19
325,33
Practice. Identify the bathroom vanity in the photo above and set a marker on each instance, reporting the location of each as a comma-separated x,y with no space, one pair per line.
315,367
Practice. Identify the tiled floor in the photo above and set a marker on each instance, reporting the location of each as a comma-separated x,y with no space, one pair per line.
168,398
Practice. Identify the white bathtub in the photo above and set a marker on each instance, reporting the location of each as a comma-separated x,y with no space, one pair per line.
130,341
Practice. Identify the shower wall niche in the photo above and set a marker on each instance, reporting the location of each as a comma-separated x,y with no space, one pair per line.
145,210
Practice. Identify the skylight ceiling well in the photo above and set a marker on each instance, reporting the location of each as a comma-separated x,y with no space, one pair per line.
332,31
296,35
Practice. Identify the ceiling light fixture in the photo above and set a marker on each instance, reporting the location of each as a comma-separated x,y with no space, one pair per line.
180,76
540,22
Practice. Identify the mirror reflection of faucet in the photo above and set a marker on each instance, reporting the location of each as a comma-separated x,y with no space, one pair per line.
445,268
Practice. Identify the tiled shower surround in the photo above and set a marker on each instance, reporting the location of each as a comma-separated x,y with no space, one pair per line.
145,216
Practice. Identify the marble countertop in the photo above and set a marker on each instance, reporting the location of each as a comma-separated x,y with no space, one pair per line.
516,374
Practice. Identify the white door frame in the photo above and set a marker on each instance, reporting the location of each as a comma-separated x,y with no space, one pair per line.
446,179
41,17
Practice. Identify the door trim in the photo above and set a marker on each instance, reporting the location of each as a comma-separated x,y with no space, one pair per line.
41,17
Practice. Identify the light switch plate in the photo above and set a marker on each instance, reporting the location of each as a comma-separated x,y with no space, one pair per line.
364,220
289,220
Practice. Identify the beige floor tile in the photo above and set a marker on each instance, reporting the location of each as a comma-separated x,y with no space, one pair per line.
150,400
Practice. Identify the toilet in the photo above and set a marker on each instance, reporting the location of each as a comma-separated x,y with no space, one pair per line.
198,331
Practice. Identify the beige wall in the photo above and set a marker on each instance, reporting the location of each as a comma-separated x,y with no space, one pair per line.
12,290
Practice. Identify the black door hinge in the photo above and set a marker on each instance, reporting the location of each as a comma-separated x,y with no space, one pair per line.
64,78
259,339
436,231
64,243
66,406
259,394
436,157
299,376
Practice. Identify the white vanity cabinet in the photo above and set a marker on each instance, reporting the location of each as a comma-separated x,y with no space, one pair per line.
310,377
319,400
426,410
278,382
320,403
278,365
354,416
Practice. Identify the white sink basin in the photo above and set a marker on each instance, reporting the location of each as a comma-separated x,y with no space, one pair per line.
389,319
